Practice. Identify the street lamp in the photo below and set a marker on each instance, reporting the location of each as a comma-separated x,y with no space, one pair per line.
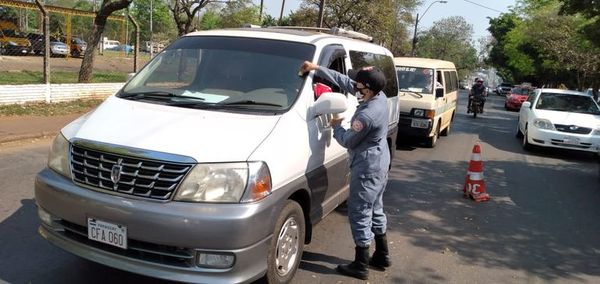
414,43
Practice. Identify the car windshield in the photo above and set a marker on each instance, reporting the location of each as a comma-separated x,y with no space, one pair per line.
225,72
568,103
413,79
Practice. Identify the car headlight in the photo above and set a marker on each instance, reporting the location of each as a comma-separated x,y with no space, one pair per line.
226,182
417,112
58,159
12,43
543,123
596,131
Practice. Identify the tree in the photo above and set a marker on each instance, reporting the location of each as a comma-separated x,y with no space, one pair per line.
163,26
210,20
591,10
385,20
106,9
237,13
185,11
450,39
499,28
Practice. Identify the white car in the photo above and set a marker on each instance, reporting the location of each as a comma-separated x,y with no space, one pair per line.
560,119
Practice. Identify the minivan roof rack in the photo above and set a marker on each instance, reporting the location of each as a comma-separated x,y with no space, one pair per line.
334,31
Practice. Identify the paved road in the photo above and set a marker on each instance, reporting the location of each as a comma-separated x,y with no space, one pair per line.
540,226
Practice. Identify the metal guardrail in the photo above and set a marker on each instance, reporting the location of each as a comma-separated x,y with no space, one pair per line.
19,94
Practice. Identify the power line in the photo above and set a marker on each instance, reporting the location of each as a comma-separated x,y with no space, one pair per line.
483,6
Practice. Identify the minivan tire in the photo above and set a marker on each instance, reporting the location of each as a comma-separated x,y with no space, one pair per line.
287,244
432,141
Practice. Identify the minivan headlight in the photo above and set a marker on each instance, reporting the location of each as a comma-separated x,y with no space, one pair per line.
543,123
425,113
58,159
226,182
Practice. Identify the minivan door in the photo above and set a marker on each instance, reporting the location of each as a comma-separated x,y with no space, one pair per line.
328,171
440,102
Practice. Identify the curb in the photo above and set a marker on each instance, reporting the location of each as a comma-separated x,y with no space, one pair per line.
16,138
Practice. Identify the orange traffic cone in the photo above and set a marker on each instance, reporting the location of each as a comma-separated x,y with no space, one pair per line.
474,184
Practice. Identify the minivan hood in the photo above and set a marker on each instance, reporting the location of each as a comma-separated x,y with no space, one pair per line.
409,100
206,136
569,118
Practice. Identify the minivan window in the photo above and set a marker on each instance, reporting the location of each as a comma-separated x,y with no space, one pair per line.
414,79
384,62
224,72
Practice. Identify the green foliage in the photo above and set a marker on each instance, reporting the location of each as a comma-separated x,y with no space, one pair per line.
210,20
536,43
450,39
589,9
163,25
385,20
240,12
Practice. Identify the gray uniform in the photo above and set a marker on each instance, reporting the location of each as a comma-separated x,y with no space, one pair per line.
369,160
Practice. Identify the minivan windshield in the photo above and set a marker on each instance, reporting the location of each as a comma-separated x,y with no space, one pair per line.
414,79
223,73
568,103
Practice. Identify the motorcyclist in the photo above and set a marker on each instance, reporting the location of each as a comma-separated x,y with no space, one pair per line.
478,91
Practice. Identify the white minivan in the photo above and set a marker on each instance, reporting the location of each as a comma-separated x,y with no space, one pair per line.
428,97
213,163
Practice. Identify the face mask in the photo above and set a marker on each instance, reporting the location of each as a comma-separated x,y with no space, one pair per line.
359,95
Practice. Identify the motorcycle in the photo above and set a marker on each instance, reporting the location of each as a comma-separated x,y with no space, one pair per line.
476,105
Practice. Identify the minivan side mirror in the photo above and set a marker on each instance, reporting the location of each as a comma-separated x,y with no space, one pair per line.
329,103
526,104
439,92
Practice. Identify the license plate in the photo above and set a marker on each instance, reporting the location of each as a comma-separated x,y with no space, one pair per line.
571,141
107,233
419,123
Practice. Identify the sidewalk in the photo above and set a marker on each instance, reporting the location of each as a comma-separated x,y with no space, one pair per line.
15,128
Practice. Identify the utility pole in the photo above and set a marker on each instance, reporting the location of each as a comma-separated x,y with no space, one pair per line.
321,11
281,13
261,11
414,43
151,33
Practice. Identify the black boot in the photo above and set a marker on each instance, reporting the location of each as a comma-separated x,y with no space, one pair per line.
357,268
381,256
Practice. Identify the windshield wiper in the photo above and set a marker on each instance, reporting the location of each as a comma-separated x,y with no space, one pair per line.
156,95
250,102
412,93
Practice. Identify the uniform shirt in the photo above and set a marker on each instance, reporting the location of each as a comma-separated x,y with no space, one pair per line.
366,138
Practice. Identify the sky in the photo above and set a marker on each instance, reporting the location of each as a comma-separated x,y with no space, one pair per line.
471,10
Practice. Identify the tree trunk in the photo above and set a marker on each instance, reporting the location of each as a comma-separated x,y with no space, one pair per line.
107,8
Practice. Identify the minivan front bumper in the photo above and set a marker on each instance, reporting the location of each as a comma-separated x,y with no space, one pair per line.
165,237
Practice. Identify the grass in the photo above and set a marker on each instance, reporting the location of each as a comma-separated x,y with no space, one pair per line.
58,77
49,109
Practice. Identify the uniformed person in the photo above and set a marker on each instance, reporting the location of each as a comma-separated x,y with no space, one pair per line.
369,158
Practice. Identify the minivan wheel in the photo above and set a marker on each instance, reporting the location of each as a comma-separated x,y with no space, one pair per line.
446,131
287,244
432,141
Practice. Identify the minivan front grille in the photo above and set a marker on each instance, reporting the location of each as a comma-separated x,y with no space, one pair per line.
572,129
127,175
